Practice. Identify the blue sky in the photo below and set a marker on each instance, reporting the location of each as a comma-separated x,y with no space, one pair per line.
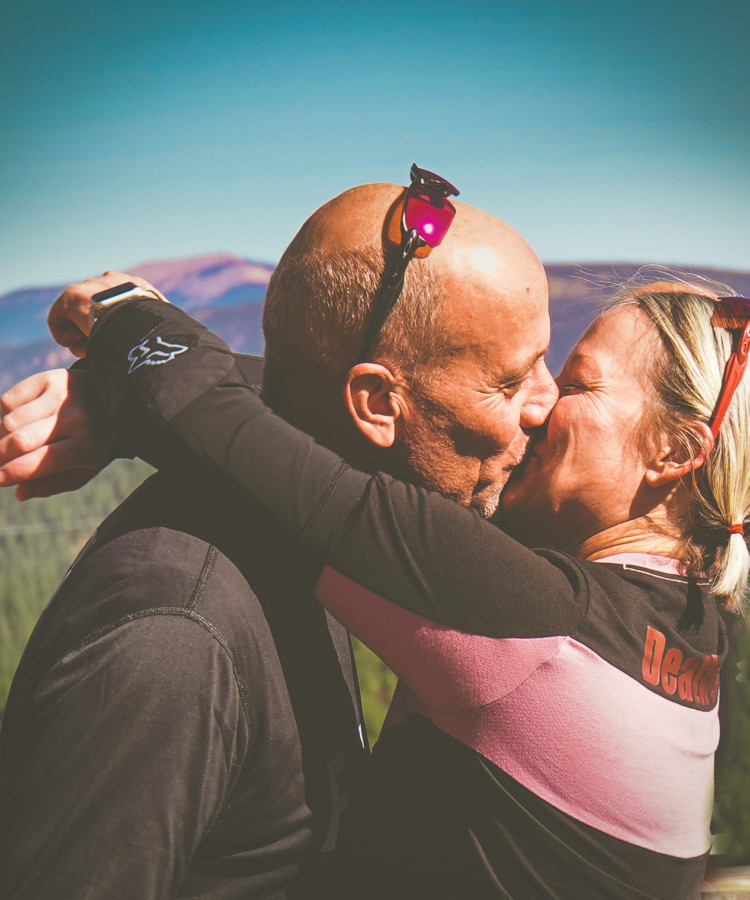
138,131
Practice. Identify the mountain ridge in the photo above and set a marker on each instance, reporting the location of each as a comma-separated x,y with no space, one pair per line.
226,293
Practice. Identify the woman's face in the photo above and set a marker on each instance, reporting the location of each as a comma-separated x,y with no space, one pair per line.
585,472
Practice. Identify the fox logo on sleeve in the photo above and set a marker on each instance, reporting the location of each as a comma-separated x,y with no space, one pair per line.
154,351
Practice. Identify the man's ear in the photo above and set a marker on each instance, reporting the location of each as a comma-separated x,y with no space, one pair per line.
374,402
670,465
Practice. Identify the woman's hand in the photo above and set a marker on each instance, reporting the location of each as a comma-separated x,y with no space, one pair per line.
70,318
54,437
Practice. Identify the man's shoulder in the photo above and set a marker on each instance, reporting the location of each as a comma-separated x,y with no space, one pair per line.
154,556
159,537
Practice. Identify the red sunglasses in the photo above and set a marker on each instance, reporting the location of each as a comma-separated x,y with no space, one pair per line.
732,313
426,216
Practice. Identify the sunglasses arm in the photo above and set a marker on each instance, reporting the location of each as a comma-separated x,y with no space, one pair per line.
389,293
732,377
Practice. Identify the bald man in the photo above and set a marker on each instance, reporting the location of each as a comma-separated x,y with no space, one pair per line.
218,712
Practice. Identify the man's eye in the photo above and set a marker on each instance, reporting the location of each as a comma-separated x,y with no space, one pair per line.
511,387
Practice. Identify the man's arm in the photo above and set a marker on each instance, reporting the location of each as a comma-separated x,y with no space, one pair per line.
110,777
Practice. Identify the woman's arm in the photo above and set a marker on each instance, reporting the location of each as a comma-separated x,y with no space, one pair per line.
173,391
54,436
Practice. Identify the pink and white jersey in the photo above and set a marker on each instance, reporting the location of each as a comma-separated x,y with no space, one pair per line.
590,688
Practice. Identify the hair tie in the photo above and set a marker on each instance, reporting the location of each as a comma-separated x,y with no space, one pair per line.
737,528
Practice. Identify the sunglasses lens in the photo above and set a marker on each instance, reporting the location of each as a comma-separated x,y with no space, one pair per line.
731,312
430,214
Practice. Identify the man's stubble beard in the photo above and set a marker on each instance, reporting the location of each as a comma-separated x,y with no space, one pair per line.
487,504
429,459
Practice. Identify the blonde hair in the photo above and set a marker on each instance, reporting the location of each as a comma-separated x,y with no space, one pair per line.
686,379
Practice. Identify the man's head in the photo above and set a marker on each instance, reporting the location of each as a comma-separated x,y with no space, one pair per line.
457,376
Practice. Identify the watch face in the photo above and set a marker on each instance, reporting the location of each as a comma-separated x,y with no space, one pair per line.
111,293
124,291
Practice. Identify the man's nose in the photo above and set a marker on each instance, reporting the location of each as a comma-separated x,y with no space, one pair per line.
541,398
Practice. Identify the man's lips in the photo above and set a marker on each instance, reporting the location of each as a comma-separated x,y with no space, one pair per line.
533,454
521,467
529,453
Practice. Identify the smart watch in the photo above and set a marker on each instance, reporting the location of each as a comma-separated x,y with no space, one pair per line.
128,290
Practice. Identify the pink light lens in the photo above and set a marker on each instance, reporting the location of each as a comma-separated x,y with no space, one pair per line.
430,214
